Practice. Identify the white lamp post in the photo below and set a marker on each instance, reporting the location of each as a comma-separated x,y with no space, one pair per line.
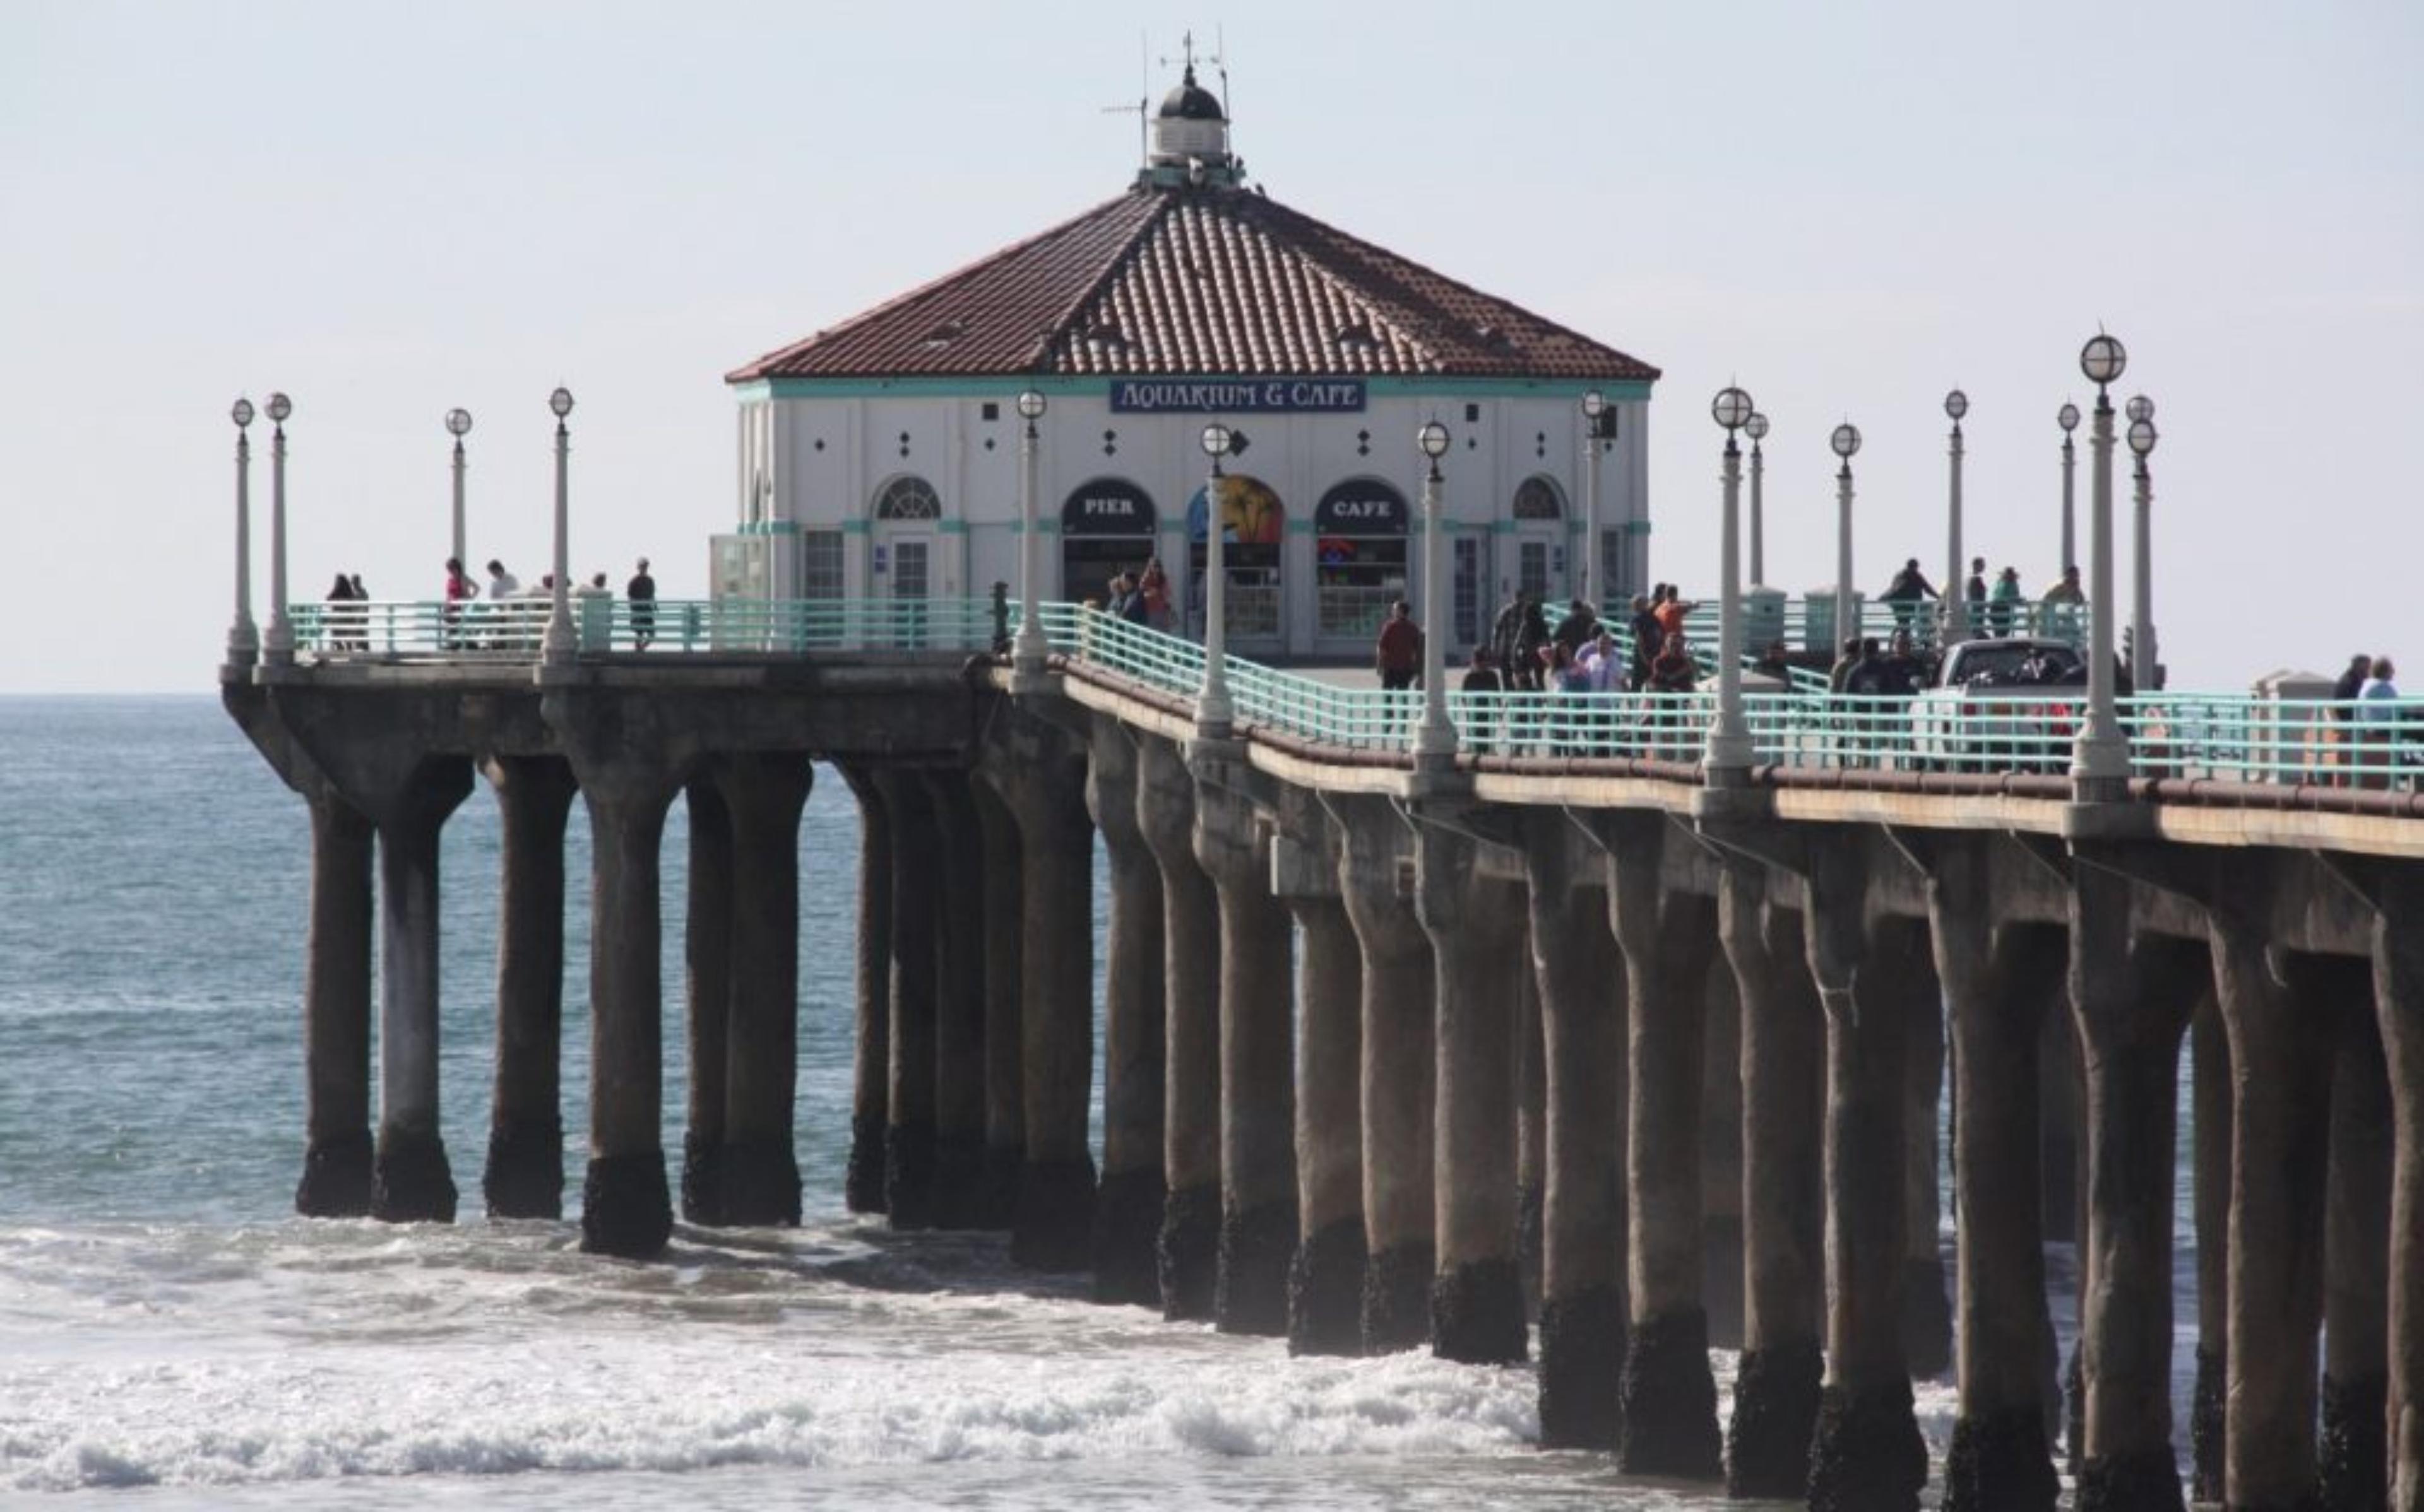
1029,650
2142,602
1213,712
1594,406
2067,417
1756,428
244,639
2100,757
277,640
1956,583
1727,762
556,646
1846,445
1435,738
458,424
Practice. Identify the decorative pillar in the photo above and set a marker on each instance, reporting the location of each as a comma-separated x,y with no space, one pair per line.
1129,1204
960,1049
707,961
1258,1206
337,1016
764,791
557,645
411,1181
1189,1244
1866,1455
1957,610
1668,938
1583,1011
872,1052
917,881
243,637
1783,1059
1399,1075
277,640
2131,997
1475,935
2100,767
525,1172
1326,1279
2068,419
1727,761
1005,924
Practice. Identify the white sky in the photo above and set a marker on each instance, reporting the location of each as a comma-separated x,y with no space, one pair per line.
387,209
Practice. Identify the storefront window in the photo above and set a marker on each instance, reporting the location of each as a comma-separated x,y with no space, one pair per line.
1253,522
1106,530
1359,557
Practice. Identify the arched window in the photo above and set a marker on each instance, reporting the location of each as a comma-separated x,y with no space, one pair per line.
1537,498
908,496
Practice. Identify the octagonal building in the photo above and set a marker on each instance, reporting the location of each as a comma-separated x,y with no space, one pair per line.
879,459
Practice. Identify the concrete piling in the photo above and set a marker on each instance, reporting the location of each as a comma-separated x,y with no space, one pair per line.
2355,1453
1005,1046
1668,938
1531,1130
1399,1073
1039,768
525,1171
1129,1205
2209,1115
1721,1158
336,1181
871,1047
1326,1278
1258,1196
1188,1246
1581,993
2130,999
2396,895
1927,1299
1866,1455
707,960
410,1179
1476,932
959,905
759,1172
917,881
1783,1086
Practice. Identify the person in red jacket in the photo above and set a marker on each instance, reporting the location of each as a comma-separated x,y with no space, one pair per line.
1398,653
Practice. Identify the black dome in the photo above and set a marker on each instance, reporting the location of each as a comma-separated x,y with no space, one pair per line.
1192,102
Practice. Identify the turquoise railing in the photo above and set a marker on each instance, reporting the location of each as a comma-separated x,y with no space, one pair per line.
2237,738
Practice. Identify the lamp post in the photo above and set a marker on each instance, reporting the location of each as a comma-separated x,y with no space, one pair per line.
1846,445
458,424
1213,713
556,646
1435,738
1756,428
1594,405
278,639
2142,602
1727,762
1029,650
2100,758
2067,417
244,639
1955,601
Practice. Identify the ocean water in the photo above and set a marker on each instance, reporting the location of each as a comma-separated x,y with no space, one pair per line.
172,1336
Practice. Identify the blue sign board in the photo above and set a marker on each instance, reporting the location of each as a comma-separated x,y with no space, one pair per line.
1236,396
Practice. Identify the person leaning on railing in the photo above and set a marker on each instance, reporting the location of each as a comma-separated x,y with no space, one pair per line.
2378,715
2063,604
1481,677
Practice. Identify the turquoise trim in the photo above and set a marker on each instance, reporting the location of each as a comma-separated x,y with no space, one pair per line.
952,527
773,527
853,527
1637,527
1009,385
1297,527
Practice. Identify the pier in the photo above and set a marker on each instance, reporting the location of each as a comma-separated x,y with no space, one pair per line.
1363,1002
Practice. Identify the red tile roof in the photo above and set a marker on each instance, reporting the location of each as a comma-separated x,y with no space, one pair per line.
1213,281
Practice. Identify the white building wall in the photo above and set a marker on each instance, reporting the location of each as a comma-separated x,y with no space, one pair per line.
827,457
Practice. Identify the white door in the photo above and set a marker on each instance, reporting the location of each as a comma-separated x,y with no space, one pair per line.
912,586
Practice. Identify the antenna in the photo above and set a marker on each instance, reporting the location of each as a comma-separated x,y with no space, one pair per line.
1228,97
1142,109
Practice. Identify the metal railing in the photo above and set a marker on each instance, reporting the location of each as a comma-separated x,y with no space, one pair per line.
2362,743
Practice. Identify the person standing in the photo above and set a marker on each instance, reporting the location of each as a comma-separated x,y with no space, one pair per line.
1154,586
1973,595
596,612
641,592
2005,601
1398,651
1908,590
2378,712
2344,696
460,591
340,595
